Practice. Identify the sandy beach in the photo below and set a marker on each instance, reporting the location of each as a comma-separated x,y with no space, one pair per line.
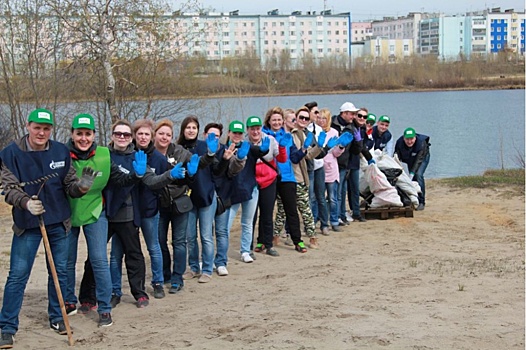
451,277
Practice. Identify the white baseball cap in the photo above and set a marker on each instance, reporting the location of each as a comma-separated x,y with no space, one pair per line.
347,106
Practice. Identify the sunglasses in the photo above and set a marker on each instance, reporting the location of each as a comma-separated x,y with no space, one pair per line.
316,112
293,120
119,134
301,117
362,116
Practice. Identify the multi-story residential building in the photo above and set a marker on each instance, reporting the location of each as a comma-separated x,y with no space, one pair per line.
401,28
219,35
506,31
385,50
361,31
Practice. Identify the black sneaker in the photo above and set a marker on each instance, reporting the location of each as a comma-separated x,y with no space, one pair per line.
359,219
71,309
105,319
7,341
86,307
176,287
115,300
421,206
158,291
272,252
59,327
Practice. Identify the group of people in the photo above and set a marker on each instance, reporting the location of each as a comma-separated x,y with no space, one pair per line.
306,161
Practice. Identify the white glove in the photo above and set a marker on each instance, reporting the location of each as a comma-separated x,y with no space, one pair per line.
35,207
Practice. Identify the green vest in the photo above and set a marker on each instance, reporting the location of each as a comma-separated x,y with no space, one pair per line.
86,209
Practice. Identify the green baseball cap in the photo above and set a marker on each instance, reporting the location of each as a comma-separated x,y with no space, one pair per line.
371,118
83,121
409,133
384,118
254,121
41,116
236,126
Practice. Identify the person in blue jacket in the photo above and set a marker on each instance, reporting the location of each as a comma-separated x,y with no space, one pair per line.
382,137
413,149
37,176
142,130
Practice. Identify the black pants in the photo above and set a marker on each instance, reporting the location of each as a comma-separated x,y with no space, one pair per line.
133,258
266,201
287,193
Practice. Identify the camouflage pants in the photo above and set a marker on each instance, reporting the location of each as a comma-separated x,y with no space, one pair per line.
302,197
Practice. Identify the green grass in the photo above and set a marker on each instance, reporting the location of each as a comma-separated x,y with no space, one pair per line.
490,178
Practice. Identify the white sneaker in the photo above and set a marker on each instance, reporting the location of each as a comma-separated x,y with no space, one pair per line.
245,257
222,271
349,218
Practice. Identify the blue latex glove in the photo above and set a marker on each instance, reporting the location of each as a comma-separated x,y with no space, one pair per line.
371,161
177,171
345,139
285,140
139,164
333,141
212,142
193,164
357,135
242,151
308,140
265,144
321,138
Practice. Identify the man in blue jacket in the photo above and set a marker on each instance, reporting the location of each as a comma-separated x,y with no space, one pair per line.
413,149
26,164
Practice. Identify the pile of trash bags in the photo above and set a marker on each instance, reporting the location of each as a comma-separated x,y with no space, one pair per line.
387,183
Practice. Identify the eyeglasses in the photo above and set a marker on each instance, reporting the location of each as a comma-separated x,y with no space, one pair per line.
362,116
370,122
119,134
302,117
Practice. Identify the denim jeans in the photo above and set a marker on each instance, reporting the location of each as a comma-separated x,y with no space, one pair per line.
205,216
149,228
248,209
342,194
353,184
23,251
222,238
96,235
179,224
419,177
334,208
318,203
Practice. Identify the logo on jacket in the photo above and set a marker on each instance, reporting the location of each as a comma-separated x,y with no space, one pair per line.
123,169
57,165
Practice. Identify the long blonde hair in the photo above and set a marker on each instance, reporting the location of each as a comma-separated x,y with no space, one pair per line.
326,113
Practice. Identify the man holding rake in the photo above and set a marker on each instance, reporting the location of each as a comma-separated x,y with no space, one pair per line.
37,176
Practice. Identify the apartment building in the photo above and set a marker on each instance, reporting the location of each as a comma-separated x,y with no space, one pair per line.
220,35
406,27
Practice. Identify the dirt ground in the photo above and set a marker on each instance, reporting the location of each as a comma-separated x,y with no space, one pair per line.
452,277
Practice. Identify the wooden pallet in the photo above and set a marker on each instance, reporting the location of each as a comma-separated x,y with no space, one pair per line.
386,213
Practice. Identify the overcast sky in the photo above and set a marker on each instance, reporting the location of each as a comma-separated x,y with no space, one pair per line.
361,10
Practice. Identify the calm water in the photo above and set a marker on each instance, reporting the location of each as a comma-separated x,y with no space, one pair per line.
468,129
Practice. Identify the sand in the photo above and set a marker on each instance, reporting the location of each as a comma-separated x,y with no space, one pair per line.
452,277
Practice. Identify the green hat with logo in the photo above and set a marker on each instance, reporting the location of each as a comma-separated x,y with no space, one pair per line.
371,118
236,126
384,118
409,133
83,121
254,121
41,116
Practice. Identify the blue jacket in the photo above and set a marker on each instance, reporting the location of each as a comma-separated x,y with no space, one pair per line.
149,203
380,142
413,156
30,166
117,197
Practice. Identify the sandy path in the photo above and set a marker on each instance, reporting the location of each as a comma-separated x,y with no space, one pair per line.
452,277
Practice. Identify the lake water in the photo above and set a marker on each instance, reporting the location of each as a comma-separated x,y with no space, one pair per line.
471,131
